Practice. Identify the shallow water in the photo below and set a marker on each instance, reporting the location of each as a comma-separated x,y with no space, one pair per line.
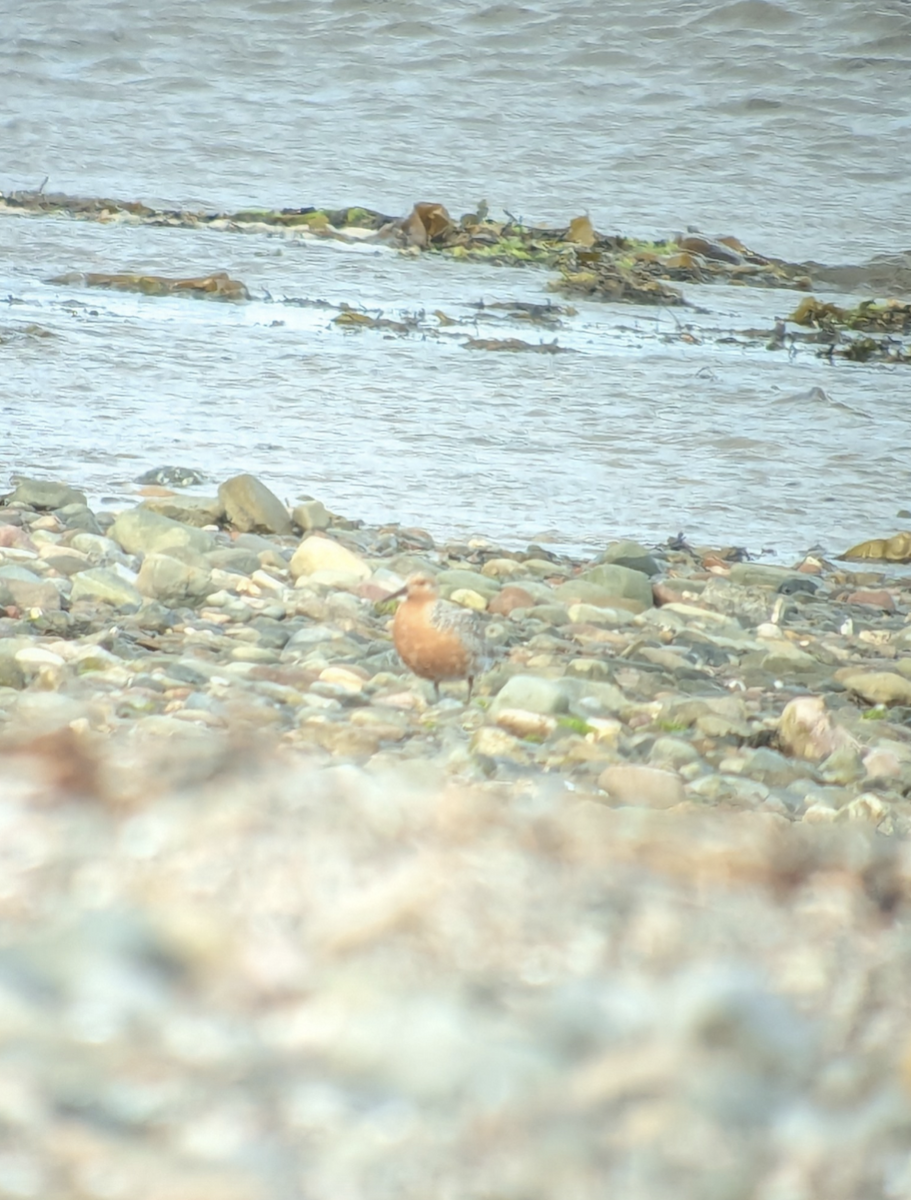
785,124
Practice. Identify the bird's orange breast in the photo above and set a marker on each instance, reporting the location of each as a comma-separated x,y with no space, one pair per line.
426,650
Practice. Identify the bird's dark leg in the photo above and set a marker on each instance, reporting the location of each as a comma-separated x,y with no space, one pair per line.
436,691
470,686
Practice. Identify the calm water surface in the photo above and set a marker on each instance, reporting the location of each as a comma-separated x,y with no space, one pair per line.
786,124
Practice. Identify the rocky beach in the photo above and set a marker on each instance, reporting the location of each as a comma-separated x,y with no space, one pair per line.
278,924
592,319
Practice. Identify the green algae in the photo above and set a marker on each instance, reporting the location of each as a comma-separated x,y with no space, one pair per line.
612,267
834,325
360,217
575,725
887,316
879,713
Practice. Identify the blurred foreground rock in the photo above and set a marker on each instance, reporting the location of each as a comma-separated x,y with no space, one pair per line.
265,980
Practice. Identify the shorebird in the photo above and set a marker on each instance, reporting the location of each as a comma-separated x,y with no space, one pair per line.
437,640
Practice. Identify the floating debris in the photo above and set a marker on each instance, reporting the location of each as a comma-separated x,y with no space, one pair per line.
612,267
15,333
889,316
218,286
514,345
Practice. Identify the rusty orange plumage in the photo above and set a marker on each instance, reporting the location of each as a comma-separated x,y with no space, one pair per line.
435,639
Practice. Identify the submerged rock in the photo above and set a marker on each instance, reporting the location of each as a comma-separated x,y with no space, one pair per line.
179,477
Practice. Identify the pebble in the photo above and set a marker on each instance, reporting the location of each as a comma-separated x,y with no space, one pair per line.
635,784
318,554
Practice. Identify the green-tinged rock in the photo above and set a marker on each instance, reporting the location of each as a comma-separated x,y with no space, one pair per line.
79,517
765,575
672,752
715,725
66,563
772,768
594,614
684,587
29,593
626,548
311,516
11,673
632,555
45,494
594,697
621,581
469,598
456,579
583,591
140,531
877,687
552,614
252,508
503,568
784,658
173,582
189,510
13,571
234,560
843,766
98,548
101,584
93,658
42,667
532,694
588,668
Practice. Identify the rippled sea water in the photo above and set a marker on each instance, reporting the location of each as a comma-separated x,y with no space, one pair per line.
786,124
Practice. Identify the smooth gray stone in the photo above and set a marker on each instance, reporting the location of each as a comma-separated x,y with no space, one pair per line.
140,531
252,508
45,494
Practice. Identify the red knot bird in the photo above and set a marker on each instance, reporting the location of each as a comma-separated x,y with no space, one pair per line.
435,639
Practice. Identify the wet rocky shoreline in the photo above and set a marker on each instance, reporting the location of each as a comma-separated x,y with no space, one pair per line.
655,676
277,925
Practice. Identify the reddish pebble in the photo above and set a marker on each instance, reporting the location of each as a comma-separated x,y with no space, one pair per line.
13,536
662,594
155,490
509,598
716,564
374,592
878,599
